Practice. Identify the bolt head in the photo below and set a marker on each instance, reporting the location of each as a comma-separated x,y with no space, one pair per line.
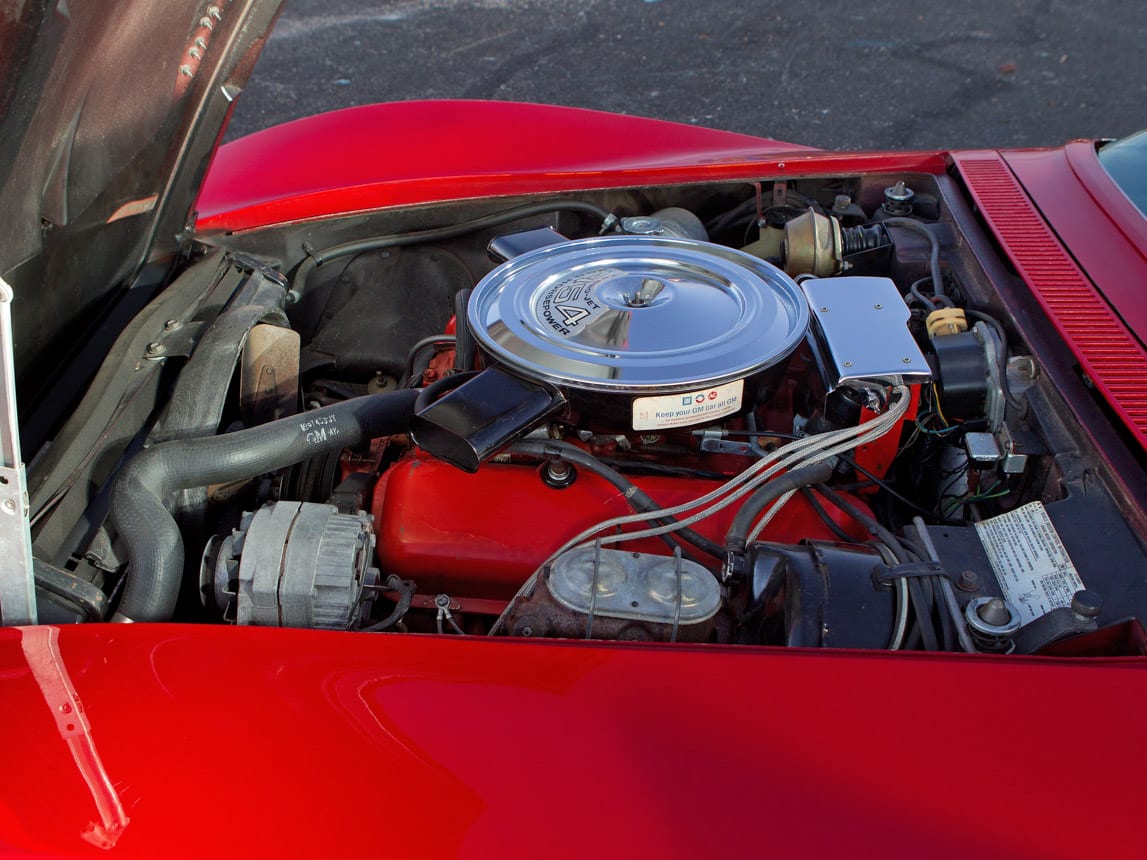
1086,603
969,581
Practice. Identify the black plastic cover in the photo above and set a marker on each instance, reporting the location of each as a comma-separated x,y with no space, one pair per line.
512,245
483,415
962,370
818,596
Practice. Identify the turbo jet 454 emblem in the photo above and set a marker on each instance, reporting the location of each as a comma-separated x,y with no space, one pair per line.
571,314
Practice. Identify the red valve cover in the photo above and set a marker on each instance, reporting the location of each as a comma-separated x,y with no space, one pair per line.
482,535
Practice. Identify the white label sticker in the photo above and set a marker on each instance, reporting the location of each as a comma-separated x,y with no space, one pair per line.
683,410
570,306
1031,564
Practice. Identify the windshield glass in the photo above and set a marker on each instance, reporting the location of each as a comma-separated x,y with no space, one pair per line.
1126,161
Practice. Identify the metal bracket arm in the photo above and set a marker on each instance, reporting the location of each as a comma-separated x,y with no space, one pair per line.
17,585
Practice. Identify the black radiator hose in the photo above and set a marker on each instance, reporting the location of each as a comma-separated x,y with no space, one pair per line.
154,544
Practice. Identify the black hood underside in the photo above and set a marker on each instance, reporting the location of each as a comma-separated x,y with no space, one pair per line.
109,116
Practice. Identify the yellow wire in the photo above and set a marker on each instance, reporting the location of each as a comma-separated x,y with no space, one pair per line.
936,400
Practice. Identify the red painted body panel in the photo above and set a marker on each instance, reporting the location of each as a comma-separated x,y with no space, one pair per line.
224,742
408,153
165,740
1107,350
491,530
1107,235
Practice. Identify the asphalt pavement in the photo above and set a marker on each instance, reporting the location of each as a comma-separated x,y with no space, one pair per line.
883,74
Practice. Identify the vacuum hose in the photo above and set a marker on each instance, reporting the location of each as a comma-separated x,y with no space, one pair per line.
152,538
755,505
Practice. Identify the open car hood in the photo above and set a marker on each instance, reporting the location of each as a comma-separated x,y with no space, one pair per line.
107,125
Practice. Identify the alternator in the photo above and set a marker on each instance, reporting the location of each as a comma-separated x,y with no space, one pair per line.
294,564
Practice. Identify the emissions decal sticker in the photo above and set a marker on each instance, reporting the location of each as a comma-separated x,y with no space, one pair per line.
682,410
1032,566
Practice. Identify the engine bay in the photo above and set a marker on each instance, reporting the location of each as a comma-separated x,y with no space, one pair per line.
783,413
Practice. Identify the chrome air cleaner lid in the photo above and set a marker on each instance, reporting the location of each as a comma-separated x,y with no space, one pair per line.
637,314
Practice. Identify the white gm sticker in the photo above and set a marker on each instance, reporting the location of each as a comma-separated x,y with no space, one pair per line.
1033,568
683,410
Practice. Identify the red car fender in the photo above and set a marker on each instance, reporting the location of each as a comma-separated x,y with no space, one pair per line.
238,742
1107,340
